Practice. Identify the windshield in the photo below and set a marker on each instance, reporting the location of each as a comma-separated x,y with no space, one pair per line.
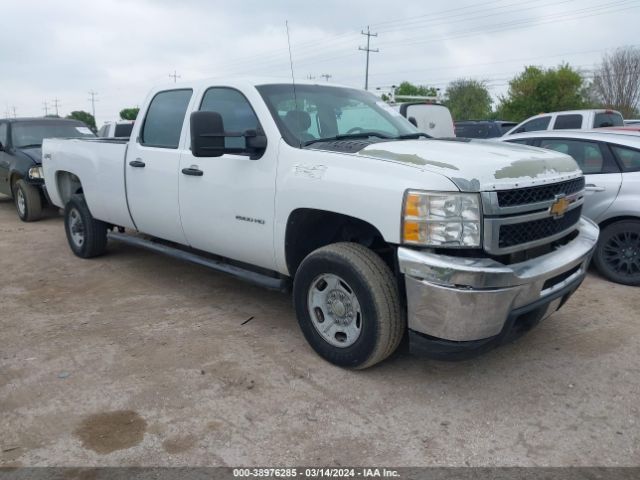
31,134
319,112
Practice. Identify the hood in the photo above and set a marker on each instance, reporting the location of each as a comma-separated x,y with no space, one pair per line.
479,165
34,154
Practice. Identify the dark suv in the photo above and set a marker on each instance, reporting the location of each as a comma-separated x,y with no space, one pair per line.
482,128
21,163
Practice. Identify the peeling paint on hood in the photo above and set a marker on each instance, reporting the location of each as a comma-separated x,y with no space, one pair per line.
478,165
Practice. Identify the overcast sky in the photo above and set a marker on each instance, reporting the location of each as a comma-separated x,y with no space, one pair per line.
63,49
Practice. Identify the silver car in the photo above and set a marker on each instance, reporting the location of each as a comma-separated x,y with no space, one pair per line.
610,161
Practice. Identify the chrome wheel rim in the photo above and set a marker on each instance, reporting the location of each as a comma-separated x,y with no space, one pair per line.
622,253
20,202
334,310
76,228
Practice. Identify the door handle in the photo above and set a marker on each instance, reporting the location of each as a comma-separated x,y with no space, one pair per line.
590,187
195,172
137,163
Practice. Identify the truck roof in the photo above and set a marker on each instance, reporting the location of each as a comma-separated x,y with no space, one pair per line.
244,82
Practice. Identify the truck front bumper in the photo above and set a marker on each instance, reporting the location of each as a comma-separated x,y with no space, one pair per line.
463,306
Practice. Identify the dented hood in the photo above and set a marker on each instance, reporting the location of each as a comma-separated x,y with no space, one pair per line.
479,165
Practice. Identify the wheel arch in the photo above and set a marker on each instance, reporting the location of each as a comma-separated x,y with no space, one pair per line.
605,223
67,184
309,229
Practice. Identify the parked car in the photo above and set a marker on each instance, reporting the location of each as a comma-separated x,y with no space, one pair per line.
327,190
482,128
20,159
429,117
570,120
119,129
610,161
632,122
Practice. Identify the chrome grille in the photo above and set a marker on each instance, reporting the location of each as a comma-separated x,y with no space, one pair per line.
519,219
519,233
541,193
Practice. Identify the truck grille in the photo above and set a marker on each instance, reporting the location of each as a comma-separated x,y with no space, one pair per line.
542,193
519,233
521,219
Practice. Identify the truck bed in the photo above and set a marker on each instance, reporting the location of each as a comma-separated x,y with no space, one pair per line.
99,164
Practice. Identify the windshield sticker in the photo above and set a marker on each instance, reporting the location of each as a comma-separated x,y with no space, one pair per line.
83,130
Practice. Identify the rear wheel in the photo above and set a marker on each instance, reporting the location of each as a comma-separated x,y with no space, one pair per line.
348,306
87,236
27,200
617,256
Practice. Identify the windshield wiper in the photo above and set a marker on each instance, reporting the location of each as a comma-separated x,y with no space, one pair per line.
412,136
32,145
346,136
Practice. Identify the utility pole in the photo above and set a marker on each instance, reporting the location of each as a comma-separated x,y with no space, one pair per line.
311,77
45,107
56,104
326,76
14,111
175,76
93,102
368,34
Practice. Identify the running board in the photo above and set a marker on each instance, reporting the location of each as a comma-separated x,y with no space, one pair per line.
256,278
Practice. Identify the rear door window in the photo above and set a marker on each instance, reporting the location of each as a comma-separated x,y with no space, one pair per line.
564,122
608,119
123,130
591,158
628,157
164,119
534,125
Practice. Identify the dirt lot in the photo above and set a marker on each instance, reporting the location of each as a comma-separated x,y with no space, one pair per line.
138,359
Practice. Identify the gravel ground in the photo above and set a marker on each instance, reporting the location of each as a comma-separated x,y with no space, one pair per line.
138,359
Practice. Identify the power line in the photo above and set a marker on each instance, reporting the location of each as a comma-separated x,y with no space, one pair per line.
367,49
93,102
45,107
56,104
175,76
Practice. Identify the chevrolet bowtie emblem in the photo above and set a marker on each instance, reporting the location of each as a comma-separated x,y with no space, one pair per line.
559,207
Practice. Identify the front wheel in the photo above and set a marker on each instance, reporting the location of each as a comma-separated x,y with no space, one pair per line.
87,236
617,256
348,305
28,201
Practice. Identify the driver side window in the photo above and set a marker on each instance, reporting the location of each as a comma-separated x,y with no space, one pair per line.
236,111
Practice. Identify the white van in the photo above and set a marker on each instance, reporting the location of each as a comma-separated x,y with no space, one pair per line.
432,118
570,120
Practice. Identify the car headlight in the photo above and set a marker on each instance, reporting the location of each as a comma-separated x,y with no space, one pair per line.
437,219
36,173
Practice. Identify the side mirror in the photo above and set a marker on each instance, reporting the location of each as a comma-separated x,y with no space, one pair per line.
413,121
207,134
208,137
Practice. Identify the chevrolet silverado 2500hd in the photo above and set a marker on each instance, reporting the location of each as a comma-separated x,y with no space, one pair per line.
379,230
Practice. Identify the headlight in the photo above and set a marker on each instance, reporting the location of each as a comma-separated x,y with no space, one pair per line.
435,219
36,173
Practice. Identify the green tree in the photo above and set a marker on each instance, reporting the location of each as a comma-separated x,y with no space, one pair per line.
468,100
129,113
408,88
84,117
537,90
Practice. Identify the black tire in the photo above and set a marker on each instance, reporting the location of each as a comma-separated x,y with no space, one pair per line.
617,255
381,319
87,236
27,200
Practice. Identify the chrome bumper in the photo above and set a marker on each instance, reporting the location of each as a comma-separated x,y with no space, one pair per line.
468,299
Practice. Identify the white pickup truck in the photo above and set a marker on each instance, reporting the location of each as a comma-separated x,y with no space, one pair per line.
378,230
